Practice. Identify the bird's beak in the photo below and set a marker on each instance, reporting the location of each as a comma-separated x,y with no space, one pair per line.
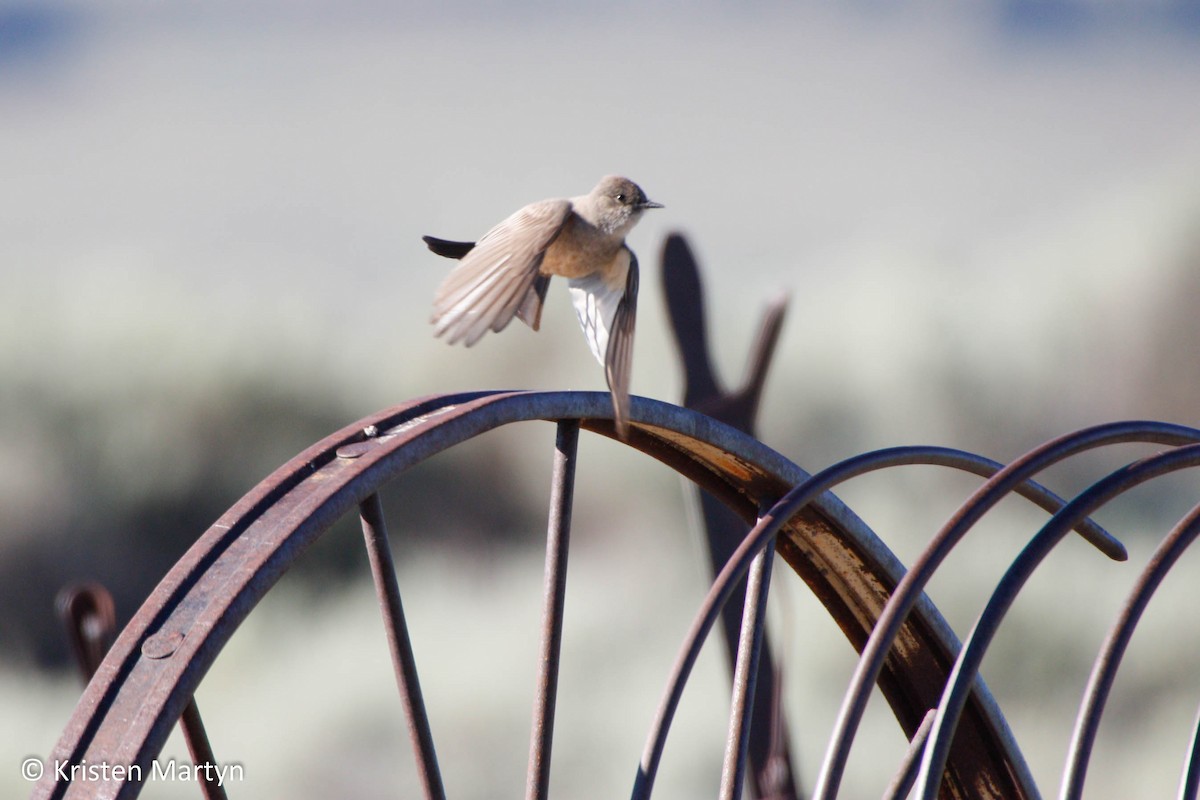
651,204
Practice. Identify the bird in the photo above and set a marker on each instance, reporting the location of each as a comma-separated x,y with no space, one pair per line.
507,272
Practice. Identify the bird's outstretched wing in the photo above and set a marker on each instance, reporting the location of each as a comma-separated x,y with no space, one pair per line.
530,310
608,311
498,278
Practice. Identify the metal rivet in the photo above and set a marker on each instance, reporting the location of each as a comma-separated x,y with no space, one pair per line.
353,450
162,645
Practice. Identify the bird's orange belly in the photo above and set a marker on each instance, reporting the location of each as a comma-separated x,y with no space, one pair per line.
574,256
569,260
612,267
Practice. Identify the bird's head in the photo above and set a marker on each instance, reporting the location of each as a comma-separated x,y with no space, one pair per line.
619,203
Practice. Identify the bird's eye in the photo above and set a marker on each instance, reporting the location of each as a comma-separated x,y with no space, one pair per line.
620,198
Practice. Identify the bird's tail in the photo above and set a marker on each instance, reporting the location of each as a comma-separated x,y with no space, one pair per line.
447,248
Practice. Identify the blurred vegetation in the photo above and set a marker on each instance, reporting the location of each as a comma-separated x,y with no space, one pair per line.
118,489
113,479
114,484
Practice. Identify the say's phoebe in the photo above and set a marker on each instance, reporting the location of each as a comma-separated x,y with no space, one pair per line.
507,272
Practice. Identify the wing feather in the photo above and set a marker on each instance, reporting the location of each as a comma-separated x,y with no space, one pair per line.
607,313
498,277
618,359
530,311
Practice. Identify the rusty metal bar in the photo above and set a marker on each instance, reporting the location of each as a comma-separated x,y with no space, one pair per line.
558,537
161,656
769,524
383,571
910,587
746,673
966,667
89,616
1108,661
910,765
199,746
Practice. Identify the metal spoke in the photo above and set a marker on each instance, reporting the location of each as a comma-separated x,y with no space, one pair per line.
558,534
745,674
383,570
199,746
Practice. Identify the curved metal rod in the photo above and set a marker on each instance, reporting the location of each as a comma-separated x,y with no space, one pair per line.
89,618
1189,784
966,666
769,525
906,775
1034,492
160,657
910,587
1107,663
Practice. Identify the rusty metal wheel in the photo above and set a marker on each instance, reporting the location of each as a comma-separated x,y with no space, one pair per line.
148,678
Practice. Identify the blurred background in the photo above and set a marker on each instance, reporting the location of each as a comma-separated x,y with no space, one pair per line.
987,216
